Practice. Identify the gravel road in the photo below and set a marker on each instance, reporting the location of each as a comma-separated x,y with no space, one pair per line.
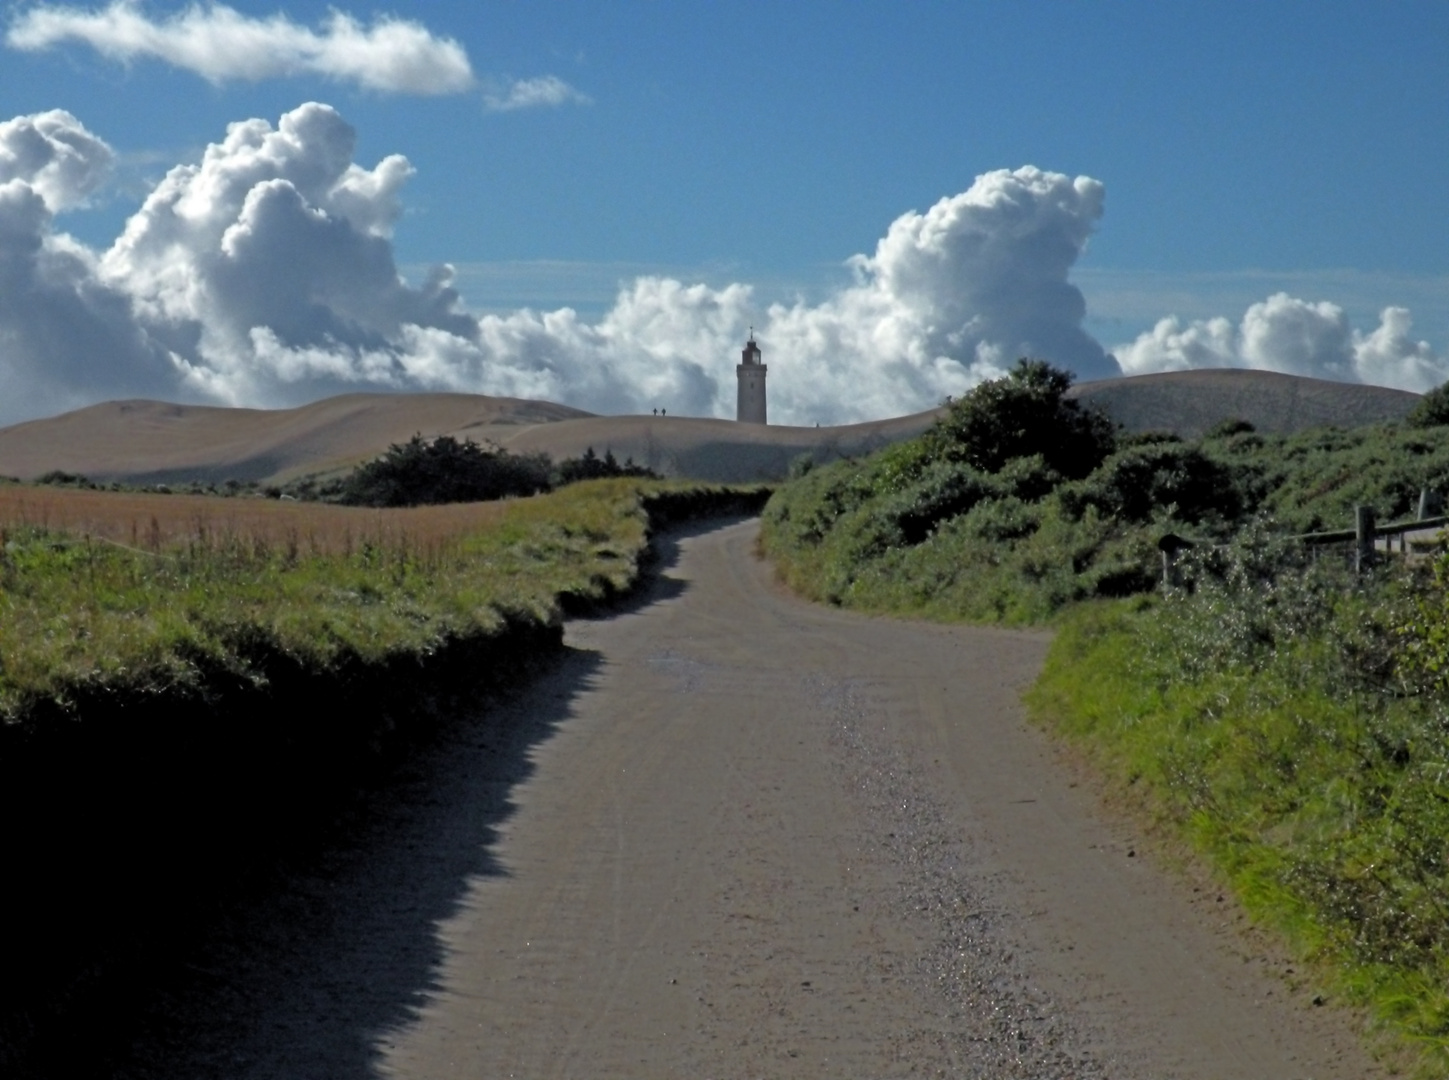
734,835
773,839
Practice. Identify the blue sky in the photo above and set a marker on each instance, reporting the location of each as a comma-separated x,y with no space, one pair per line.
1245,150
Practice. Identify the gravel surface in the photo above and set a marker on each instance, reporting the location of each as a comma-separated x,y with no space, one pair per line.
992,1019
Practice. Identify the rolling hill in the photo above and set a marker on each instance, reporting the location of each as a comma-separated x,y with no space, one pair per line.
1188,403
147,442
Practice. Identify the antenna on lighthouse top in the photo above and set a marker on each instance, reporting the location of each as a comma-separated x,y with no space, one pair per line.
752,333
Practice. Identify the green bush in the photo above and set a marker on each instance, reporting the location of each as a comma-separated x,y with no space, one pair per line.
592,467
443,470
1144,481
1024,415
1432,409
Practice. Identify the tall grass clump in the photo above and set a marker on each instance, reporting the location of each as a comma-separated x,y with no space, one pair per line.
1291,720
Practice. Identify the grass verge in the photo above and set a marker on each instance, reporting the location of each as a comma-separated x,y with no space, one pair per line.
179,713
1315,788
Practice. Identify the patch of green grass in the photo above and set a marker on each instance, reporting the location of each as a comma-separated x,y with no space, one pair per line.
78,611
1270,725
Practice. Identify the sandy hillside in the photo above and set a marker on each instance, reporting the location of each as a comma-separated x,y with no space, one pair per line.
1191,402
151,442
720,450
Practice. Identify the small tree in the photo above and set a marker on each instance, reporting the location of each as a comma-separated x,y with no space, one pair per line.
1432,409
1024,414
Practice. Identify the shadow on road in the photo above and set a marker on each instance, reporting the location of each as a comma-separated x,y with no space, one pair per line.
309,975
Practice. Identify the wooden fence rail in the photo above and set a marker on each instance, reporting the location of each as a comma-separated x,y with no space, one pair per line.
1363,536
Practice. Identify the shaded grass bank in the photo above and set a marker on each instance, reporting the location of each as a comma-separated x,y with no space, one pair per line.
177,720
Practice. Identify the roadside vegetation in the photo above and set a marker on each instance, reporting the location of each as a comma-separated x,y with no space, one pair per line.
1287,717
156,607
443,470
1062,508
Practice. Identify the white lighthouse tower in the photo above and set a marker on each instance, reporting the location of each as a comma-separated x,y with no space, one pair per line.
751,406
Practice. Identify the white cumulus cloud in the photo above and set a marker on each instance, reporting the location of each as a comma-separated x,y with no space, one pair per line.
546,91
66,338
1296,337
221,44
264,275
951,296
54,153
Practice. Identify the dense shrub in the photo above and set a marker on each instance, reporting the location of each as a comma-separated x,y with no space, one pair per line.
592,467
443,470
1033,503
1432,409
1231,426
60,478
1025,414
1146,480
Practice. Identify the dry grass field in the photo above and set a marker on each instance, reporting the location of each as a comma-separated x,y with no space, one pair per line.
156,522
100,586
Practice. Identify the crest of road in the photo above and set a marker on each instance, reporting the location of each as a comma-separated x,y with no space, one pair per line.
773,839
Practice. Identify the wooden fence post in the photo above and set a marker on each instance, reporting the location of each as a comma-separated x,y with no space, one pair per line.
1363,530
1170,545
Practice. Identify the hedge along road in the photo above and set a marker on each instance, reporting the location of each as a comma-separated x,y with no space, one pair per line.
771,839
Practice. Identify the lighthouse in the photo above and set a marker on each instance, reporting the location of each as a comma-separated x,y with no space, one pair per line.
751,406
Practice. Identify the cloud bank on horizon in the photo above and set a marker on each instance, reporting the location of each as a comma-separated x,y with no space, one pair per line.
264,275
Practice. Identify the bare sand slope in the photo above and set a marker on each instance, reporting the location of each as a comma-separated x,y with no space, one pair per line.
719,450
1191,402
154,441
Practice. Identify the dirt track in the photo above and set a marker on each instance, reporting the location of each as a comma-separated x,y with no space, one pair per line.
778,840
735,835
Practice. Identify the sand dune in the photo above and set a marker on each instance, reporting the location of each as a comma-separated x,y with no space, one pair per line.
719,450
156,442
153,441
1191,402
